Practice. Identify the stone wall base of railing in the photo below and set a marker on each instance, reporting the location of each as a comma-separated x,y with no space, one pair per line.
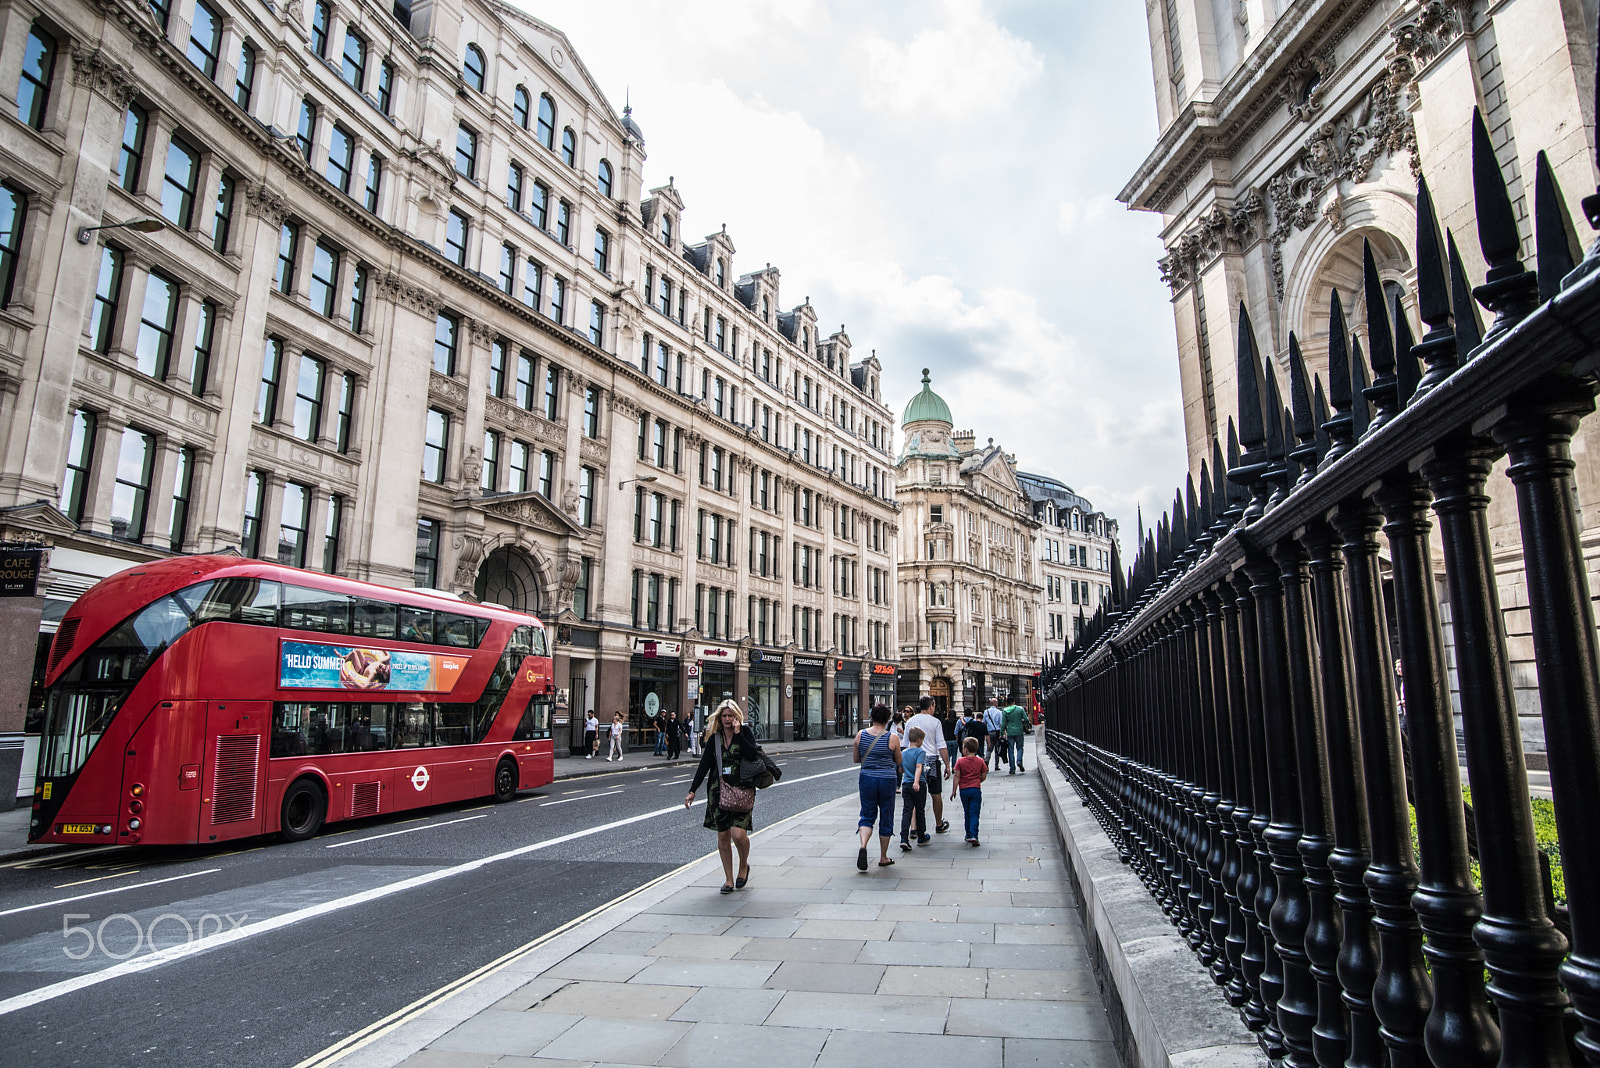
1165,1011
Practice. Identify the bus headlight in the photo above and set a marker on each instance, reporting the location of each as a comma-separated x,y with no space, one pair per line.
134,824
136,805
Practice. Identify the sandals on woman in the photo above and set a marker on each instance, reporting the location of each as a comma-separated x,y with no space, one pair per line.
885,862
861,859
738,883
727,888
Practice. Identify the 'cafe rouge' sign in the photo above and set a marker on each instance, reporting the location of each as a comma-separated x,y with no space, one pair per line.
19,570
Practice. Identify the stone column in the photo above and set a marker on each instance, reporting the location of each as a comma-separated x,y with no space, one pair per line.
786,702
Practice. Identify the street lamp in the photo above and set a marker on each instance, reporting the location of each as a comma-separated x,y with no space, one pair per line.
142,225
641,478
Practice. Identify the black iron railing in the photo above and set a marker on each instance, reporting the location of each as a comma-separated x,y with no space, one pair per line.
1232,719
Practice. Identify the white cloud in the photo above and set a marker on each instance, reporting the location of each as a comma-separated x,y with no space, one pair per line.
965,66
1012,272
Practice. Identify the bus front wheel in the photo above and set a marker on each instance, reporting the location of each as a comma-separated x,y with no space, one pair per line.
305,806
505,781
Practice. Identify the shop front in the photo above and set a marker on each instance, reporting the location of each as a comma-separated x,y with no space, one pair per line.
846,698
653,681
764,704
808,697
717,670
881,684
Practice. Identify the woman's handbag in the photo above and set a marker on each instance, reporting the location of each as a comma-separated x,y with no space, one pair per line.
735,799
731,797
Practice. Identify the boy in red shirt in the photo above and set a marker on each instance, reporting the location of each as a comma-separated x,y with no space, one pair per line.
970,771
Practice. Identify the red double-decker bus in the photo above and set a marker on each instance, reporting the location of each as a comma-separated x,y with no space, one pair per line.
206,698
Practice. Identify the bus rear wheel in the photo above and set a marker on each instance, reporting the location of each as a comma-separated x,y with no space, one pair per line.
305,806
505,780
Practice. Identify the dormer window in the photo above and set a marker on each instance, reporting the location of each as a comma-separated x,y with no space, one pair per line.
666,229
722,273
766,309
805,338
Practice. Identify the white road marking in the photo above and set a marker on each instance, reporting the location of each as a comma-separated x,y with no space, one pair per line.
408,830
564,800
102,893
288,919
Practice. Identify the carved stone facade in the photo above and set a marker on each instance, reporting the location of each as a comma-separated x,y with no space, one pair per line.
1328,113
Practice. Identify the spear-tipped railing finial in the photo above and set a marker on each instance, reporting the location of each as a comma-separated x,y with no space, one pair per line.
1438,346
1380,342
1339,426
1509,290
1304,424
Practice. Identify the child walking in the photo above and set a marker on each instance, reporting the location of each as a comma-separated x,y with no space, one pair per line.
914,789
971,770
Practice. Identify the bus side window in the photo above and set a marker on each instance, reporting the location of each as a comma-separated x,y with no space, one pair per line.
453,724
373,619
457,630
416,625
288,729
308,609
369,727
536,643
412,726
240,600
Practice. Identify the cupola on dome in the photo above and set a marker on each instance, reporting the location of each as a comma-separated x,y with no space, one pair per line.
927,405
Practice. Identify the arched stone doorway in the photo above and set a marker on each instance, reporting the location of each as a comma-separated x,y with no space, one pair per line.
509,578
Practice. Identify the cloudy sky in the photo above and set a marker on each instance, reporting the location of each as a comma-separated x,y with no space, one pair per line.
938,176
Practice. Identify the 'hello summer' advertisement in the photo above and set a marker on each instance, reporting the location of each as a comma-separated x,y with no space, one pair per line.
309,666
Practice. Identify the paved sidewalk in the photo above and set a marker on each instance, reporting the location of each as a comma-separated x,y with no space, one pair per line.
955,956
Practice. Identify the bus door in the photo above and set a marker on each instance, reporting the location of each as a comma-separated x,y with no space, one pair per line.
233,769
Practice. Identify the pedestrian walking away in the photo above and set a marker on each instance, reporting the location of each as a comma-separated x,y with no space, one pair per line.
617,727
914,763
591,735
689,733
970,771
939,757
1016,721
727,741
878,752
994,725
674,731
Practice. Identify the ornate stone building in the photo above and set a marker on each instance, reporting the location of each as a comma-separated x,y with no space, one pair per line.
1074,551
1291,133
970,600
401,307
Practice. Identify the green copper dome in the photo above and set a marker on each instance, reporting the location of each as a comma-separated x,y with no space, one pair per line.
927,405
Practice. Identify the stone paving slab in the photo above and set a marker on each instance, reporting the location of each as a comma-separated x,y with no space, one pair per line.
953,956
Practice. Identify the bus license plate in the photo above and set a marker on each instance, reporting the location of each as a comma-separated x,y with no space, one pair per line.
77,828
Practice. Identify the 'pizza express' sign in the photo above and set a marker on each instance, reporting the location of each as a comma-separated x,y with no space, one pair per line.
19,570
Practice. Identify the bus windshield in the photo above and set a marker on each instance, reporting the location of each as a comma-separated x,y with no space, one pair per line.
89,693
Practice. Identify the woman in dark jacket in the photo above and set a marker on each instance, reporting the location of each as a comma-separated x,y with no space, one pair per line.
733,828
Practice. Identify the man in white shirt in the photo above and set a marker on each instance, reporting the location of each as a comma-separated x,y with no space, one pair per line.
933,738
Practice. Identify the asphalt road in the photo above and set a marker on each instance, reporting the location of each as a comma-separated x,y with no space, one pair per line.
317,940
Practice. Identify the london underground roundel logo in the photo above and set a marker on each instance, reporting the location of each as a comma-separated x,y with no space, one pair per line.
419,779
